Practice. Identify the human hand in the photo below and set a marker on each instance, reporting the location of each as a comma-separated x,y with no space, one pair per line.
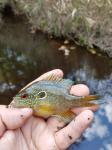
19,130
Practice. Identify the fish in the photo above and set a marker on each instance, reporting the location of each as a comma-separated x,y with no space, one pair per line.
51,97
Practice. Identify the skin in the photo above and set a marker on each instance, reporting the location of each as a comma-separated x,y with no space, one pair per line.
20,130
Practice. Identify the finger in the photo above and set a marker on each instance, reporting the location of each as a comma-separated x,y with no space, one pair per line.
56,72
68,135
11,139
13,118
79,90
3,106
55,124
79,109
8,140
2,127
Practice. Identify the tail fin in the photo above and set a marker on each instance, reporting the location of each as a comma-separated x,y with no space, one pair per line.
91,97
92,100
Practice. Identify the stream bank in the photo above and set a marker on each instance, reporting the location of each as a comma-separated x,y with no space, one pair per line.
87,22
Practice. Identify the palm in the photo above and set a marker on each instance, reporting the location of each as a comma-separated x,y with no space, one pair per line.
34,134
37,133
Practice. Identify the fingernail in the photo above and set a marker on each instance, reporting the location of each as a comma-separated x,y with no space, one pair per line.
79,90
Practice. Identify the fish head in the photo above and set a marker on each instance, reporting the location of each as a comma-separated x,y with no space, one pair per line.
30,98
45,93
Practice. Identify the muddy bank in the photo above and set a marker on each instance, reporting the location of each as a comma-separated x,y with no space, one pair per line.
86,21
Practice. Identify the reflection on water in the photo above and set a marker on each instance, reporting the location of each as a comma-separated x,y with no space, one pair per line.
25,56
99,135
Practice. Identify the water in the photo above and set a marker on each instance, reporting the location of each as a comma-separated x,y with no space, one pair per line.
25,56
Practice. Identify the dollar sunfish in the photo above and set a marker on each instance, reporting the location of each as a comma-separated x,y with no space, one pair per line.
50,97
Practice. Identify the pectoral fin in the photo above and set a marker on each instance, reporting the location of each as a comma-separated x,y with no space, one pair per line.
44,110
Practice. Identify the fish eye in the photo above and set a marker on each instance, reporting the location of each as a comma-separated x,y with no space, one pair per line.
42,94
24,96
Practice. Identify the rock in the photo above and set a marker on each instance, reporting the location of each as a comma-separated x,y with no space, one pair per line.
66,42
99,54
65,49
93,51
72,47
62,48
67,52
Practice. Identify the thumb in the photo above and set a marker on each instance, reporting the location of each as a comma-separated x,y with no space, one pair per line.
12,118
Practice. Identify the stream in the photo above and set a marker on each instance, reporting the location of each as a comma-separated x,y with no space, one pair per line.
25,55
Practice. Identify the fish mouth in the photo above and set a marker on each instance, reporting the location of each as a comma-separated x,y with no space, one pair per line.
11,105
15,104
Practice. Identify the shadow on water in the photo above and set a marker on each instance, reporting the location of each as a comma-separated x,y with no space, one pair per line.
25,56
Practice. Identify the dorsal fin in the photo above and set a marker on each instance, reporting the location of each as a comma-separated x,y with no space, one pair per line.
66,83
45,77
52,77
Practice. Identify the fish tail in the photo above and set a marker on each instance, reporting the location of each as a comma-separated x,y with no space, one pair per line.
87,104
91,103
90,100
91,97
86,101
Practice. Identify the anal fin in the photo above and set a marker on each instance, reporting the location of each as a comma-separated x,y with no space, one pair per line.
66,116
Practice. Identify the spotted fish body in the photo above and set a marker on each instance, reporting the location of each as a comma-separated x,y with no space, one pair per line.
51,97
